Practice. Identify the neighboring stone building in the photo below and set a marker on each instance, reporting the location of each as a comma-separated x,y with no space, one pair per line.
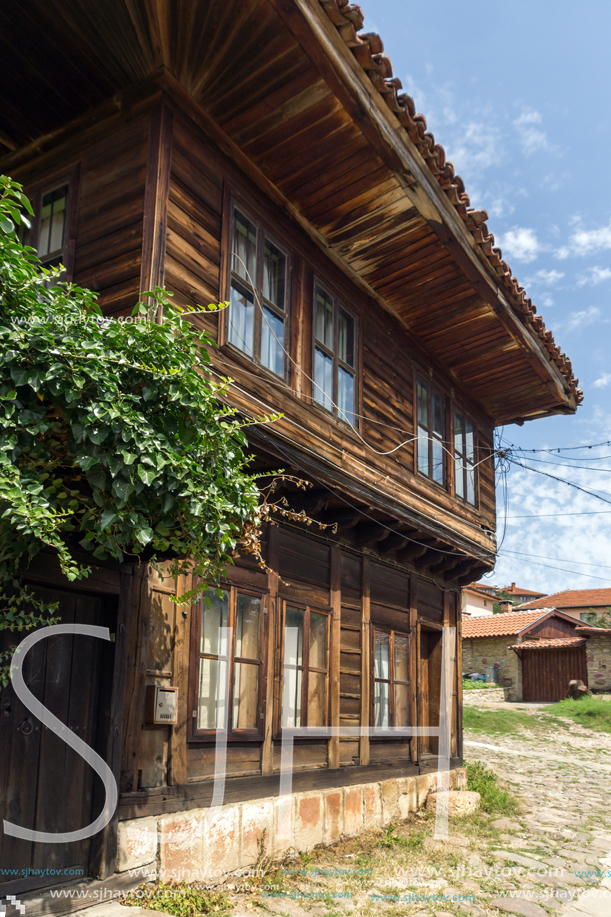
518,595
534,654
582,604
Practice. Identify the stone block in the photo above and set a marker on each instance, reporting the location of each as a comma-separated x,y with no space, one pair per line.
461,778
390,801
353,810
372,806
136,843
407,796
334,816
180,847
284,824
308,821
460,802
221,841
257,831
423,786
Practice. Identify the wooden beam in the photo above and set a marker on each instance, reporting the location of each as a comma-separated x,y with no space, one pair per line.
273,613
369,533
393,542
177,770
336,621
365,655
156,197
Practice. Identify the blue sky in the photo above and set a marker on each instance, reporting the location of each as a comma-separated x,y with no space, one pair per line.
518,95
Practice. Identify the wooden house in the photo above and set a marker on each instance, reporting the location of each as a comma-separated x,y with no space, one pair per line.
180,143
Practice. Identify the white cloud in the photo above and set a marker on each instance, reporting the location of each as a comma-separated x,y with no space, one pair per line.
532,138
545,277
583,318
520,244
595,276
475,147
547,300
586,242
602,381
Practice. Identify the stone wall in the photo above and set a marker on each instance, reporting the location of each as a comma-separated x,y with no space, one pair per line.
598,652
189,847
483,651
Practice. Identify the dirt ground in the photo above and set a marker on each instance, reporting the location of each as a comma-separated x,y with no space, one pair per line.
552,857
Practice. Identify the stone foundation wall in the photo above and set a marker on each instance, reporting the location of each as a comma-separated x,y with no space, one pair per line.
182,846
477,654
598,651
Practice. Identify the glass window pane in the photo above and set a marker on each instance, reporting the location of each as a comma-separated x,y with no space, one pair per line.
245,695
242,320
274,274
324,318
323,379
469,441
210,713
382,655
317,699
245,248
437,461
345,343
437,414
459,477
457,433
401,658
471,485
247,619
291,698
293,636
345,395
423,404
423,451
318,641
52,221
381,704
401,705
212,619
272,341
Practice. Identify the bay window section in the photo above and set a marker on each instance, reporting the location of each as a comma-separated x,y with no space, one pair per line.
464,458
334,385
430,434
391,701
229,677
258,294
305,668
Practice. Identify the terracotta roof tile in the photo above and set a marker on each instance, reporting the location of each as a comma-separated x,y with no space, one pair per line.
503,625
572,598
367,48
557,643
590,629
515,590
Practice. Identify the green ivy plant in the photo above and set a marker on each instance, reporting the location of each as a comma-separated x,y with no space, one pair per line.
113,438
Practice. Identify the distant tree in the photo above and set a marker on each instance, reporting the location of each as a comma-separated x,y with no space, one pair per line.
503,596
599,618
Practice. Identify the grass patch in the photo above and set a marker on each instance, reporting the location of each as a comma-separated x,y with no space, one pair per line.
468,685
179,900
499,722
495,800
592,712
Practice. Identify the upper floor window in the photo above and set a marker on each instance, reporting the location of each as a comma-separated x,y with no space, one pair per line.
390,679
464,458
258,297
235,691
431,428
305,667
334,385
52,230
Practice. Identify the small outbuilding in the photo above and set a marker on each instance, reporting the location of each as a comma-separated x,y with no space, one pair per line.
534,654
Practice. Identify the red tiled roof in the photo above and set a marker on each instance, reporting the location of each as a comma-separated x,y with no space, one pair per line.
513,590
572,598
557,643
368,50
591,629
503,625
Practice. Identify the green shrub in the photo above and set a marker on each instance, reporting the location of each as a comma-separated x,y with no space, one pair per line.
179,900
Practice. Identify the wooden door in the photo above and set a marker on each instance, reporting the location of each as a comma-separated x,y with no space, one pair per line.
44,784
546,672
430,686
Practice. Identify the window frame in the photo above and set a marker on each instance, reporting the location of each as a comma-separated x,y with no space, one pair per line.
306,668
197,735
419,378
464,417
234,203
392,681
337,362
36,192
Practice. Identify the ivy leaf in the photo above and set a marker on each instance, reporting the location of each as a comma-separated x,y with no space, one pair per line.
108,519
146,475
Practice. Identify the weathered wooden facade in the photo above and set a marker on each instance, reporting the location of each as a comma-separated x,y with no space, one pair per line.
260,153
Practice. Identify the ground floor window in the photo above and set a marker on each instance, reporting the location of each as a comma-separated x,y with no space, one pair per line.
390,679
305,670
